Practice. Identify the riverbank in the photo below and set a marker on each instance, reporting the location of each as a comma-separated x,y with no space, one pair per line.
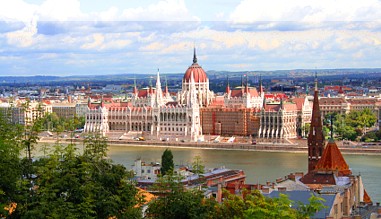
294,146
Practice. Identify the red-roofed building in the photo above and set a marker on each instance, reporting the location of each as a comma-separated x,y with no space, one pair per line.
328,172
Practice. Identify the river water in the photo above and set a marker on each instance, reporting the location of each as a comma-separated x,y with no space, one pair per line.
258,166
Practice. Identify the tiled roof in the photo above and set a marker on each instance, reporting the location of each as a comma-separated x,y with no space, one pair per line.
299,101
333,160
362,101
331,101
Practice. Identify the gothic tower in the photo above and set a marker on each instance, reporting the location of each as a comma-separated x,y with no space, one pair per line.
315,137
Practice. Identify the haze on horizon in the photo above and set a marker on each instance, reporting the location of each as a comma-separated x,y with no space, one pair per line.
87,37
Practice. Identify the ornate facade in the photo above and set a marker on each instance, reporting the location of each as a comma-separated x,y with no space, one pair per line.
152,113
277,121
201,85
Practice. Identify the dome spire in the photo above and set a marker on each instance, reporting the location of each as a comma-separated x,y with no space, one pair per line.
194,55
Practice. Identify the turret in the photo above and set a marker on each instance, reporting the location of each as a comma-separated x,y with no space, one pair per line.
247,85
227,90
260,84
158,93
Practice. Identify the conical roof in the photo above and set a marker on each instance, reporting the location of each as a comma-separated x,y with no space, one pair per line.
332,160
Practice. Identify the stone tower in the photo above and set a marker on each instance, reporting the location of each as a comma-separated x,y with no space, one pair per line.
315,137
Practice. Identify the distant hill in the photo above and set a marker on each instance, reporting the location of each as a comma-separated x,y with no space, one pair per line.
294,73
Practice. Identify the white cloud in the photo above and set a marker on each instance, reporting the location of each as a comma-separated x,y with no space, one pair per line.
17,10
98,40
24,37
249,11
165,10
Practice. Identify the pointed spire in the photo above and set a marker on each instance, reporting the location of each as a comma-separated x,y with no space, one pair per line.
264,102
102,103
166,86
316,81
242,83
247,85
281,103
89,102
158,93
260,83
228,85
307,89
150,90
135,90
194,55
315,137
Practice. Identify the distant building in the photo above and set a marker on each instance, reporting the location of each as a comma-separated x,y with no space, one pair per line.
64,110
152,111
24,112
277,121
229,121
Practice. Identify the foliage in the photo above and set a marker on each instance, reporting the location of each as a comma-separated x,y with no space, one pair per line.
63,184
11,168
166,161
352,125
178,202
198,165
80,186
315,205
256,205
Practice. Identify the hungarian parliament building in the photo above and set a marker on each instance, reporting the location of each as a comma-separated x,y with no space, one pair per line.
196,111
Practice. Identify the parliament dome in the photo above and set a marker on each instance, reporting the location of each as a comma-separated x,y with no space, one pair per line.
199,74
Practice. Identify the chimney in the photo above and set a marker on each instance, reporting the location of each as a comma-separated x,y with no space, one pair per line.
219,193
266,189
282,189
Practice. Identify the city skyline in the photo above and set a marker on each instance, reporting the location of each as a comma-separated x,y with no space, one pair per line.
60,38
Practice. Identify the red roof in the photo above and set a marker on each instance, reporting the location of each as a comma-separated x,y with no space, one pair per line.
333,160
276,96
218,101
299,101
143,93
239,92
199,74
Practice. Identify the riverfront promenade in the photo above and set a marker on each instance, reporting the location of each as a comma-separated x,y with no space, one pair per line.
293,145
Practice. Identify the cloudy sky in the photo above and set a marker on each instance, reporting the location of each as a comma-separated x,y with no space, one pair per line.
88,37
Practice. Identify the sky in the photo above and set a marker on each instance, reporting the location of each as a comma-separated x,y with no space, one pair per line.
97,37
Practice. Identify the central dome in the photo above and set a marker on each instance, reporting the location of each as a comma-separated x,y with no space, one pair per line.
199,74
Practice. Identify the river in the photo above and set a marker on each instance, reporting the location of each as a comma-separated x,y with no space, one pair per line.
258,166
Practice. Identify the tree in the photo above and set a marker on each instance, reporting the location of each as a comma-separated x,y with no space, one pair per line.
178,202
80,186
315,205
166,162
198,165
11,168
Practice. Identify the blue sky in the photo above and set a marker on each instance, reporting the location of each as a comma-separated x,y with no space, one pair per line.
89,37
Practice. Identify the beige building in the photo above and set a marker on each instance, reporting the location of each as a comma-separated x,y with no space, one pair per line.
64,110
24,112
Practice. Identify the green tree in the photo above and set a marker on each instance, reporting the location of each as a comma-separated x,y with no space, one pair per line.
178,202
315,205
166,161
11,168
80,186
198,165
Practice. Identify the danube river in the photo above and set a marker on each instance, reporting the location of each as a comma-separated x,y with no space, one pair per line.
258,166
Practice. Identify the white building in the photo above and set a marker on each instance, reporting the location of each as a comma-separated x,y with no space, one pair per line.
153,112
